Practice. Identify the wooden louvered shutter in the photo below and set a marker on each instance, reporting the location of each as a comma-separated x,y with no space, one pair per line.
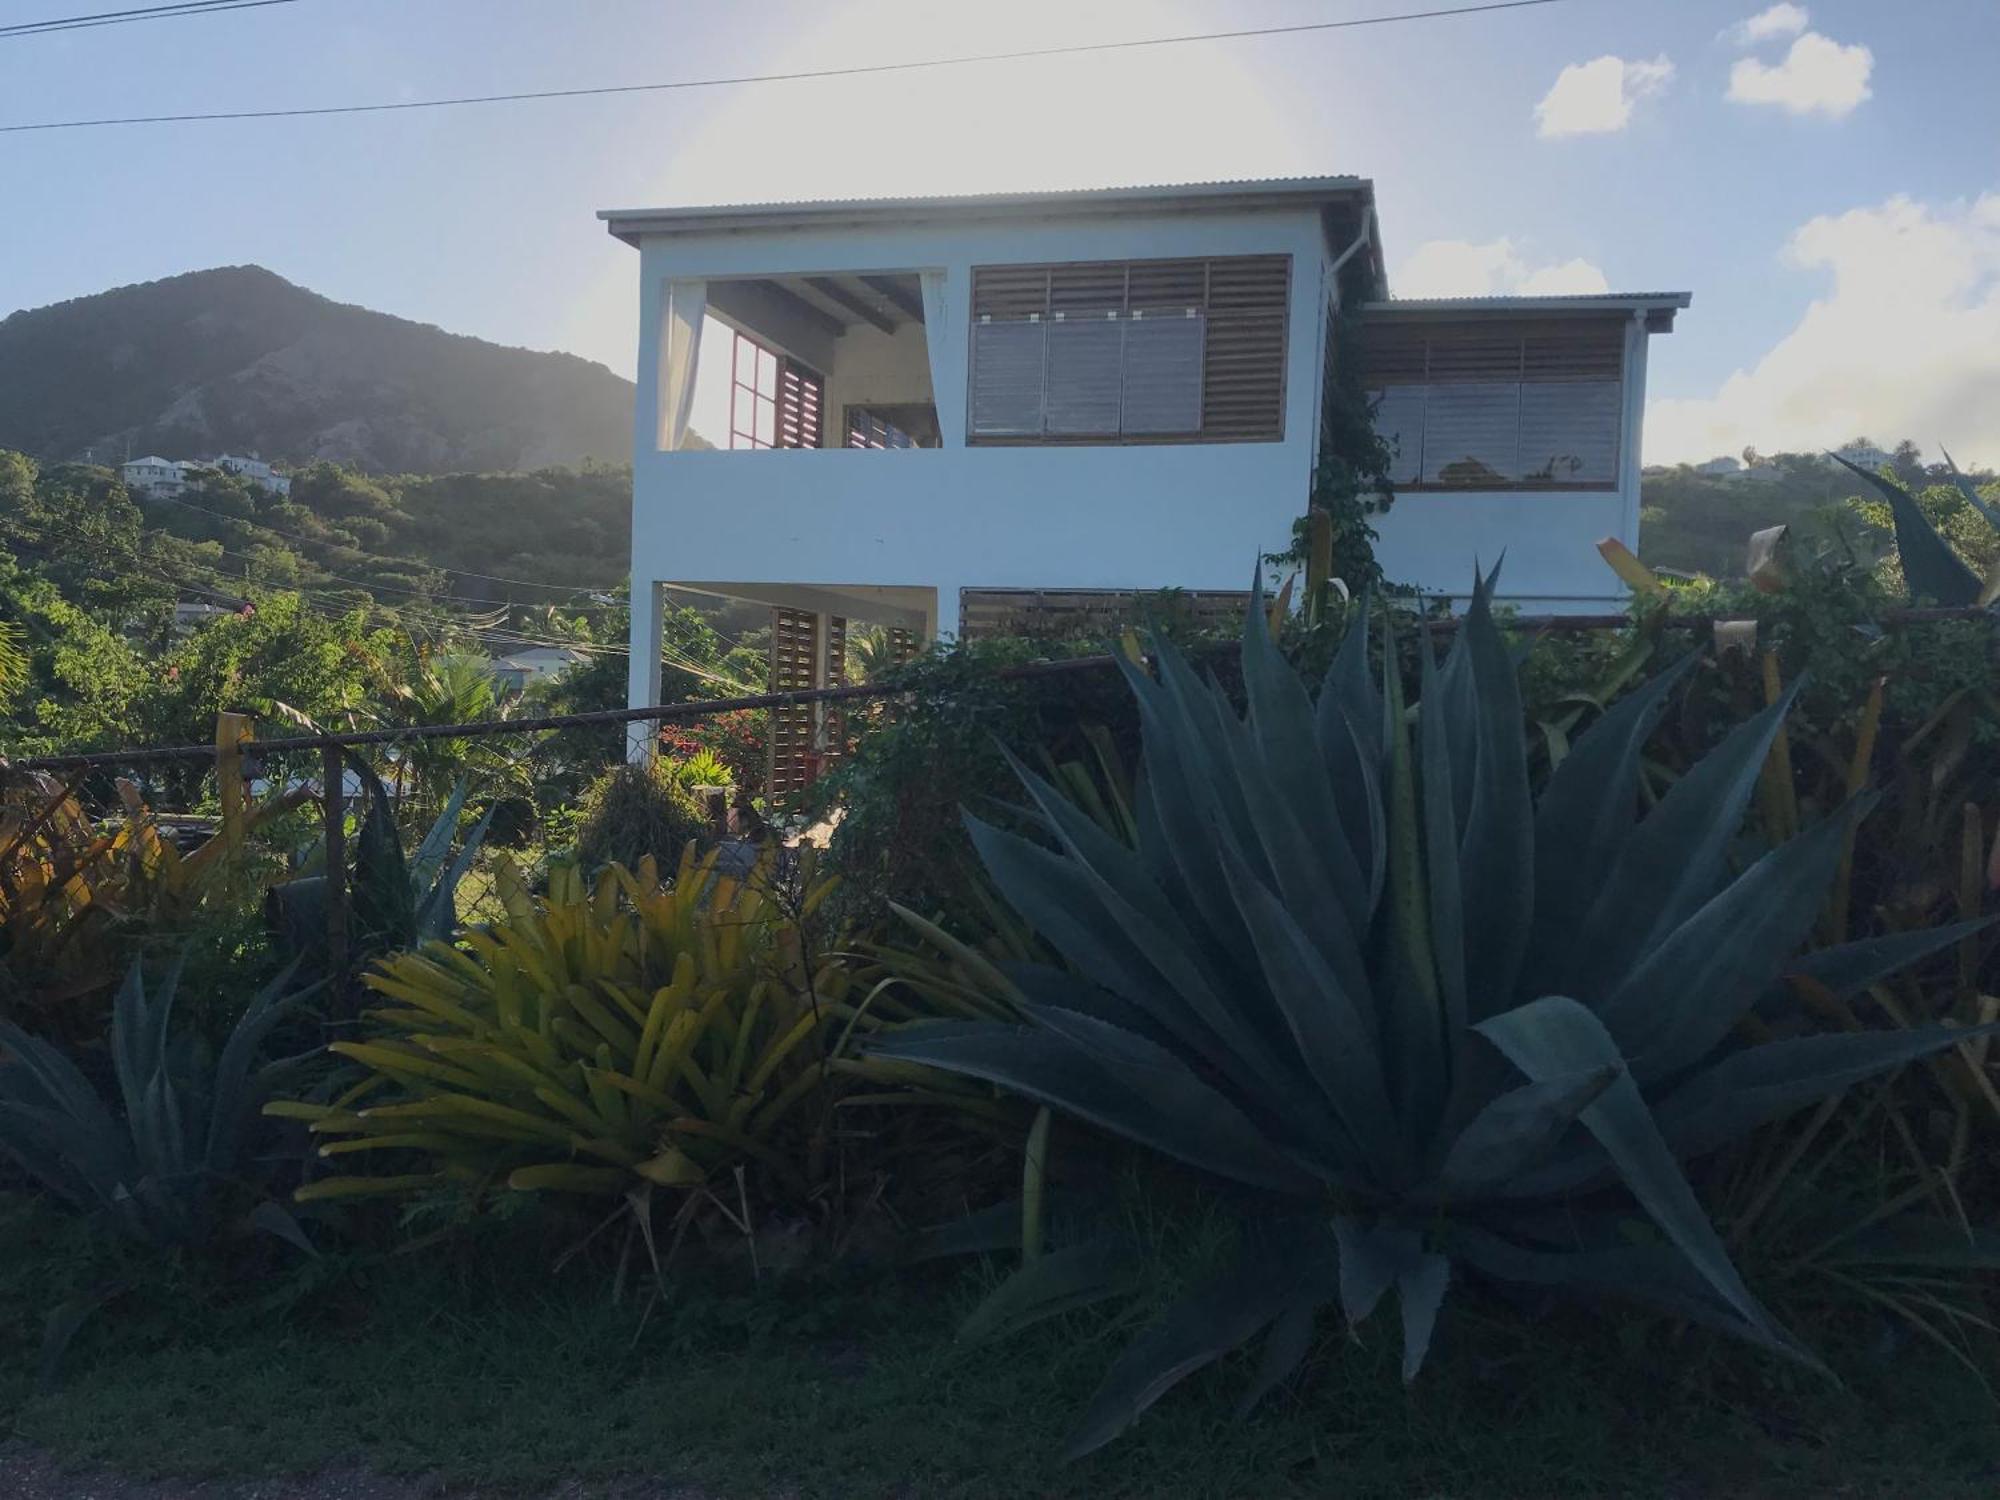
801,396
1243,362
832,743
794,656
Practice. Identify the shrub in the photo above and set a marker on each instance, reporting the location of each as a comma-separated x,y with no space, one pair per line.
1342,966
621,1038
637,812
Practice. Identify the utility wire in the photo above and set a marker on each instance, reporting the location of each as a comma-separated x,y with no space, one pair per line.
858,70
126,17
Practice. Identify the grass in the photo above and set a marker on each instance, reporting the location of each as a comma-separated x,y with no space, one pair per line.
473,1362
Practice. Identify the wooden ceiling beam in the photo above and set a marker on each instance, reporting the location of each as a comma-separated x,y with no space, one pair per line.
896,295
840,296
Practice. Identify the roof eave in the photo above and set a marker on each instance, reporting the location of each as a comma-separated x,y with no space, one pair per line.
1658,307
633,224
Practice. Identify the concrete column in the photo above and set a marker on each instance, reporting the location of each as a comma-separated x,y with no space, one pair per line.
643,685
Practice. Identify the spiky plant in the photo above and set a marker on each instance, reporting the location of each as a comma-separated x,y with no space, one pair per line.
1351,962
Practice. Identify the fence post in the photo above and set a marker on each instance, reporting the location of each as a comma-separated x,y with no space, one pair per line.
333,772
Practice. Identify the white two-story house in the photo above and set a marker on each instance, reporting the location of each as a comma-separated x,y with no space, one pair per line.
930,413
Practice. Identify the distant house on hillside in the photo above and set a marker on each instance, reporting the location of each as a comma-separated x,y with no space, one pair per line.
1866,456
1053,401
255,471
534,664
164,478
153,476
1724,467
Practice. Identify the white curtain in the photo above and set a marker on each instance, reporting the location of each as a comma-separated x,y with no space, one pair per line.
945,340
680,355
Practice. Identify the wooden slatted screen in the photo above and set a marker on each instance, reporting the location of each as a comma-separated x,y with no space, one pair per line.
1131,351
1500,404
794,657
903,644
801,397
832,734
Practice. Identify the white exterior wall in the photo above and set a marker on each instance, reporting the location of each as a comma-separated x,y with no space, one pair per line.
1134,516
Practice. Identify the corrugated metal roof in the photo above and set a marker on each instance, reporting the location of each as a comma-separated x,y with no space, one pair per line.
628,223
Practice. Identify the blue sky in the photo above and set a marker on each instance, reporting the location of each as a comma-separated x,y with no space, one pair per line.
1826,182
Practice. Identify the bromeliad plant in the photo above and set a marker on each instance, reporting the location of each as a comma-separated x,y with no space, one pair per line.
1350,961
620,1037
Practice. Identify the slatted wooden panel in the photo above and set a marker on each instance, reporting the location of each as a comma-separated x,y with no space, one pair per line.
833,717
794,656
903,644
1243,363
1047,614
1085,351
801,398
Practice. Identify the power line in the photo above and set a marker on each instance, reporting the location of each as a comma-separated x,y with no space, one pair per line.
126,17
858,70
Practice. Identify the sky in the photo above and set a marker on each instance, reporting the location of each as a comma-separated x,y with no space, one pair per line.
1824,177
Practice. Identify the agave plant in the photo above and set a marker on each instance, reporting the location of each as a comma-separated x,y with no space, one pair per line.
150,1164
396,901
1351,962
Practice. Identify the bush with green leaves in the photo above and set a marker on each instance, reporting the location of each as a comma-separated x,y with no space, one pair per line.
638,811
1352,963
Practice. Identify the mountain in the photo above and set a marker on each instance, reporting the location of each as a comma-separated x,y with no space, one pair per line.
238,359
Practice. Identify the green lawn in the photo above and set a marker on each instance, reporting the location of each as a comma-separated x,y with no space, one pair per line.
473,1361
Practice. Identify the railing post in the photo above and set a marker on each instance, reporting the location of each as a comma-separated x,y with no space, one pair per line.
333,770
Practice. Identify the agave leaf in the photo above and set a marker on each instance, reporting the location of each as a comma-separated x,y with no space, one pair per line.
431,853
1420,1290
1428,1037
1684,997
1555,1035
63,1324
1850,968
1117,1081
436,908
1347,722
1059,1282
1280,733
1372,1257
1931,568
1223,1313
1758,1084
1285,1349
1328,1027
1587,811
1043,984
1672,862
233,1093
1497,852
1519,1129
1120,948
1972,496
1658,1274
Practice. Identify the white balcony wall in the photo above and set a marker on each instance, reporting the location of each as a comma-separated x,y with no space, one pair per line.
1087,516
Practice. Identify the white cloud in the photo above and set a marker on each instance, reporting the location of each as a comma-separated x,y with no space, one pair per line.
1595,97
1906,343
1782,19
1459,268
1818,76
